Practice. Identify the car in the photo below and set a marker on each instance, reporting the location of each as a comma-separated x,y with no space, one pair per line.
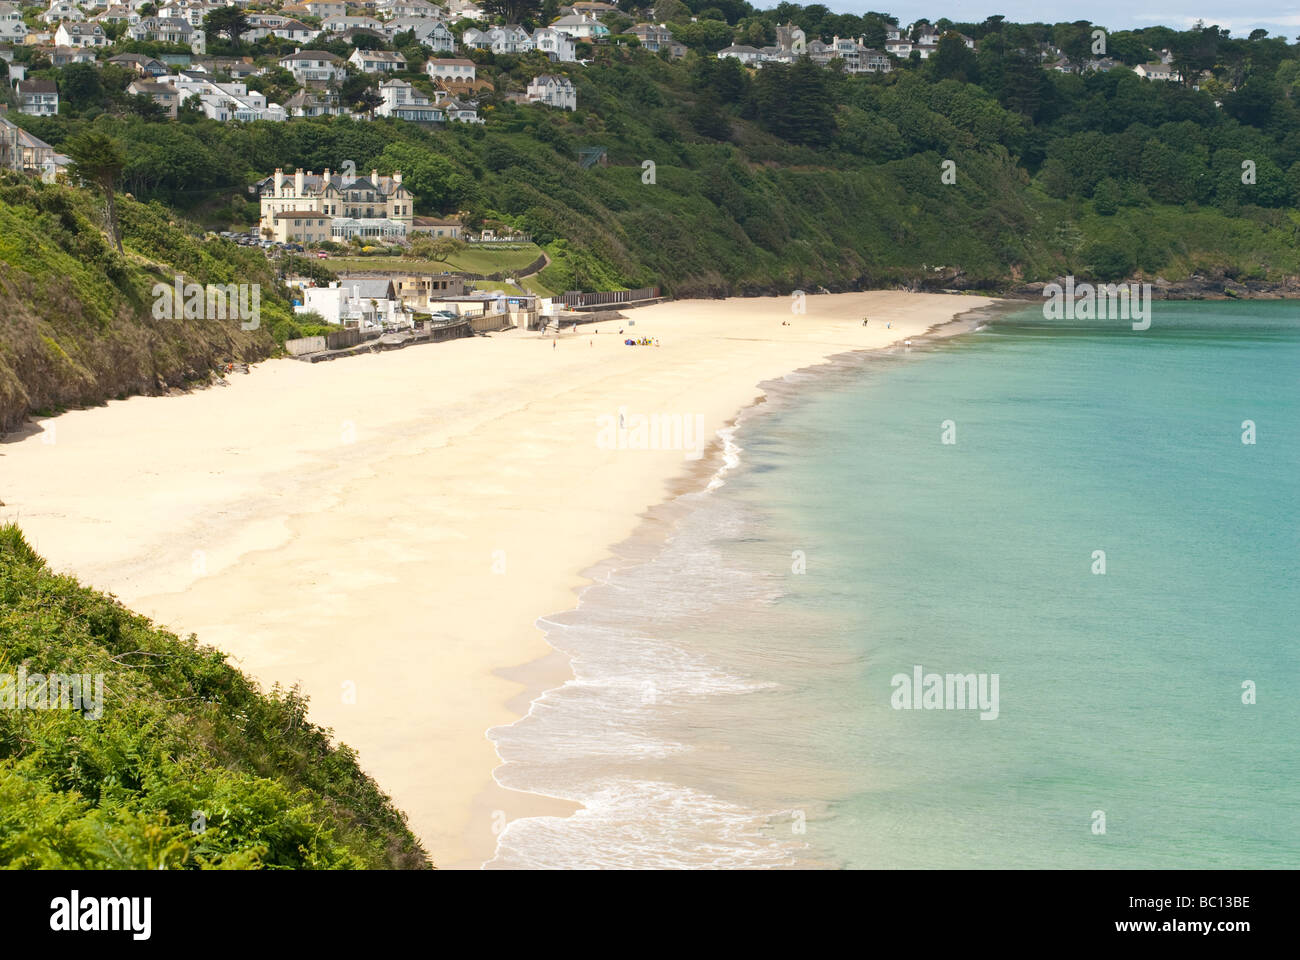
322,255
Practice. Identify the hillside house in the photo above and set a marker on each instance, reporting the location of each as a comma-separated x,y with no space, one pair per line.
554,91
38,98
377,61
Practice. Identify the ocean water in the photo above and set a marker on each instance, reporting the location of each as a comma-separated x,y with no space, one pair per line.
737,692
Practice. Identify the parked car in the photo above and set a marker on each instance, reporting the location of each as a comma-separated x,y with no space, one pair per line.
322,255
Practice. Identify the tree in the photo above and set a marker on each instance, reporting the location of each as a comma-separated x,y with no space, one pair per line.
80,86
512,11
97,158
228,21
955,60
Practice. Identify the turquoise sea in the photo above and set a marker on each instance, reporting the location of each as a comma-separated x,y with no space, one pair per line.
734,700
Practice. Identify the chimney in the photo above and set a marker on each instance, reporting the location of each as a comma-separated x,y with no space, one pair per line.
397,178
299,184
327,177
279,180
374,177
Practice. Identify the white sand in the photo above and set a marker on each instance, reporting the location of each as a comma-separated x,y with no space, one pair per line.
342,525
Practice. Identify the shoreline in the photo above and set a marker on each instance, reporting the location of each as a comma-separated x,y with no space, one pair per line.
336,525
554,669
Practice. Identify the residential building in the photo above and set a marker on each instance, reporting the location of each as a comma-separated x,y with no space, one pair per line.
22,152
73,34
377,61
368,303
1156,71
554,91
344,24
163,94
12,28
750,56
581,26
400,9
62,56
556,44
326,8
60,10
510,38
141,64
168,30
334,197
224,101
454,69
313,66
38,98
435,227
460,111
315,103
654,37
118,13
404,102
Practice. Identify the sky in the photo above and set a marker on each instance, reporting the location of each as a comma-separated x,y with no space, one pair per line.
1278,17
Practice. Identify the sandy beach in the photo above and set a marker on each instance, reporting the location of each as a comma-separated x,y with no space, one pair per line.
385,530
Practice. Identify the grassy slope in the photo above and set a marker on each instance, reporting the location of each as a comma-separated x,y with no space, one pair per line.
76,324
181,731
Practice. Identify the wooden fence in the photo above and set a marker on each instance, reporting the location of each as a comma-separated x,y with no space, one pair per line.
575,298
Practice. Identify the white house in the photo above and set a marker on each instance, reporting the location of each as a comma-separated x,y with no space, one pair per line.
38,98
581,26
556,44
398,9
405,102
450,69
72,34
460,111
1156,71
62,10
553,91
313,66
510,38
377,61
12,28
745,54
343,24
366,302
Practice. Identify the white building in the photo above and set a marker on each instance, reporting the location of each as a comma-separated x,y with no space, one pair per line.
12,28
1156,71
404,102
223,101
313,66
510,38
556,44
457,69
377,61
554,91
581,26
369,303
343,24
72,34
38,98
62,10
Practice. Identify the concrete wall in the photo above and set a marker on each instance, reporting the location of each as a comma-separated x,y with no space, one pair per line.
296,348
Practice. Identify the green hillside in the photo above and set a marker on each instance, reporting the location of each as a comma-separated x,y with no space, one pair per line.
189,765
